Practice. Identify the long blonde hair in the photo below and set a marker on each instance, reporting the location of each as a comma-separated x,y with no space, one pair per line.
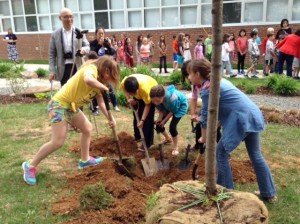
106,64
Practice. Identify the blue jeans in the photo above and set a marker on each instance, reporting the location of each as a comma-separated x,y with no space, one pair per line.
263,174
289,63
228,67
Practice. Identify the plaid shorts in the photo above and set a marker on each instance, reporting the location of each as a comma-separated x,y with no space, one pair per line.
59,112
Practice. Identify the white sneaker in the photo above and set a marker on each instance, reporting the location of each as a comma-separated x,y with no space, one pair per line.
117,109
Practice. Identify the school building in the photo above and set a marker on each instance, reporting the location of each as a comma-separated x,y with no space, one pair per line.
34,20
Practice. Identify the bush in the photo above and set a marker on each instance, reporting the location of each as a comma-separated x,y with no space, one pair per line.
121,98
273,80
249,88
176,77
125,72
95,197
286,87
5,67
41,73
143,69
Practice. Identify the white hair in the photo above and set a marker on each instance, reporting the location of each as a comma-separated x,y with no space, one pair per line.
63,10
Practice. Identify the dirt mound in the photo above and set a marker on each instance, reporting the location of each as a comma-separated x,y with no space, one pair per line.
129,203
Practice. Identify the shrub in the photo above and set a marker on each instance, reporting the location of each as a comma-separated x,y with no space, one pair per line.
143,69
125,72
5,66
41,73
152,201
249,88
176,77
286,87
17,84
273,80
95,197
187,86
121,98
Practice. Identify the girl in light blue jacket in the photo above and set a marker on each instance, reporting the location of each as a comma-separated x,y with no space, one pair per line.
241,120
170,103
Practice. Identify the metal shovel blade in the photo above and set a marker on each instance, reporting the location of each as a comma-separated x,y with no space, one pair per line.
150,166
185,163
123,170
162,164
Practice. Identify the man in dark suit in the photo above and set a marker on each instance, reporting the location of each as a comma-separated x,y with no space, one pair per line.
63,48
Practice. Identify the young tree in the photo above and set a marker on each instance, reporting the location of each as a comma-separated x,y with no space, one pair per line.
213,107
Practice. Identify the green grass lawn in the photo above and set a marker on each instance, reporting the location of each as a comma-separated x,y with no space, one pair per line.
24,128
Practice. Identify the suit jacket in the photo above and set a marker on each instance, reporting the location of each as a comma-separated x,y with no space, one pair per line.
56,54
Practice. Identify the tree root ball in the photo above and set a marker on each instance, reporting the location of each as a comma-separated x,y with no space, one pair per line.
240,208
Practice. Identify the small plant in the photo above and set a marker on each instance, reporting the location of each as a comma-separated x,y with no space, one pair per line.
273,80
41,73
176,77
125,72
143,69
187,86
42,96
5,66
95,197
121,98
152,200
18,84
286,87
249,88
274,117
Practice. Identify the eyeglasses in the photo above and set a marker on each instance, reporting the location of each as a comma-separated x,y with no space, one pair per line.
67,17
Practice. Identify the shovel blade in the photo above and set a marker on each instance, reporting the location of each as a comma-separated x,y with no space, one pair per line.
163,165
123,170
184,164
149,168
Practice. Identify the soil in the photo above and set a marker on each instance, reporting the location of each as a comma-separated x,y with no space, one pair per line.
129,196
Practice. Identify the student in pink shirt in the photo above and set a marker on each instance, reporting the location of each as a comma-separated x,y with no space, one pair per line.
198,50
242,47
145,51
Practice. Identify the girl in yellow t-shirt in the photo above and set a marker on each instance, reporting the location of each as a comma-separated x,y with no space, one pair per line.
63,109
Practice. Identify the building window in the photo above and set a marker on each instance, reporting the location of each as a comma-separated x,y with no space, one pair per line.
100,5
206,17
277,10
71,4
152,3
188,2
55,6
6,23
4,8
17,7
149,15
296,10
188,15
116,4
134,3
85,5
117,20
232,13
44,23
253,12
31,23
56,23
19,24
134,19
169,2
29,7
169,17
101,19
86,21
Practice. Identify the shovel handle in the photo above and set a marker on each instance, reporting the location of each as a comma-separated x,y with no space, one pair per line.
106,102
142,134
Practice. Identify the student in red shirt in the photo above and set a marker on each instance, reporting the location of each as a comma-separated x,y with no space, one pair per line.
242,47
175,50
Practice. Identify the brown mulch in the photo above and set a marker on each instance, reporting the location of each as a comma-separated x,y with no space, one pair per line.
129,196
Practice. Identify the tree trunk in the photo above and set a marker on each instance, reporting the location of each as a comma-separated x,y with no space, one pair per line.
213,106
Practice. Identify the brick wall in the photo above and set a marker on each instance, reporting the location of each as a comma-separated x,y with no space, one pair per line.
36,46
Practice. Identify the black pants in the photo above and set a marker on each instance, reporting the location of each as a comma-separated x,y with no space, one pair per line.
148,127
172,127
241,62
112,96
163,60
67,73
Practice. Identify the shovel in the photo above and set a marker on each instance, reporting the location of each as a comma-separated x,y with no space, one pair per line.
149,164
185,163
197,163
162,164
121,161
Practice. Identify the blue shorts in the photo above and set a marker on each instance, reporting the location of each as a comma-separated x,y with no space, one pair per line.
175,57
180,59
59,112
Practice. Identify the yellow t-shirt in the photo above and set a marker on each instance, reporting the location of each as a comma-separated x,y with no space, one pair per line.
145,84
76,93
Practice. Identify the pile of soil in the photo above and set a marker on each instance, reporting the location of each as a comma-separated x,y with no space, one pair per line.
4,99
129,196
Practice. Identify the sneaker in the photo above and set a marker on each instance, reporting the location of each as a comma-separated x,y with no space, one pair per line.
117,109
96,113
29,173
232,75
254,76
246,76
239,73
243,72
91,162
270,200
141,148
